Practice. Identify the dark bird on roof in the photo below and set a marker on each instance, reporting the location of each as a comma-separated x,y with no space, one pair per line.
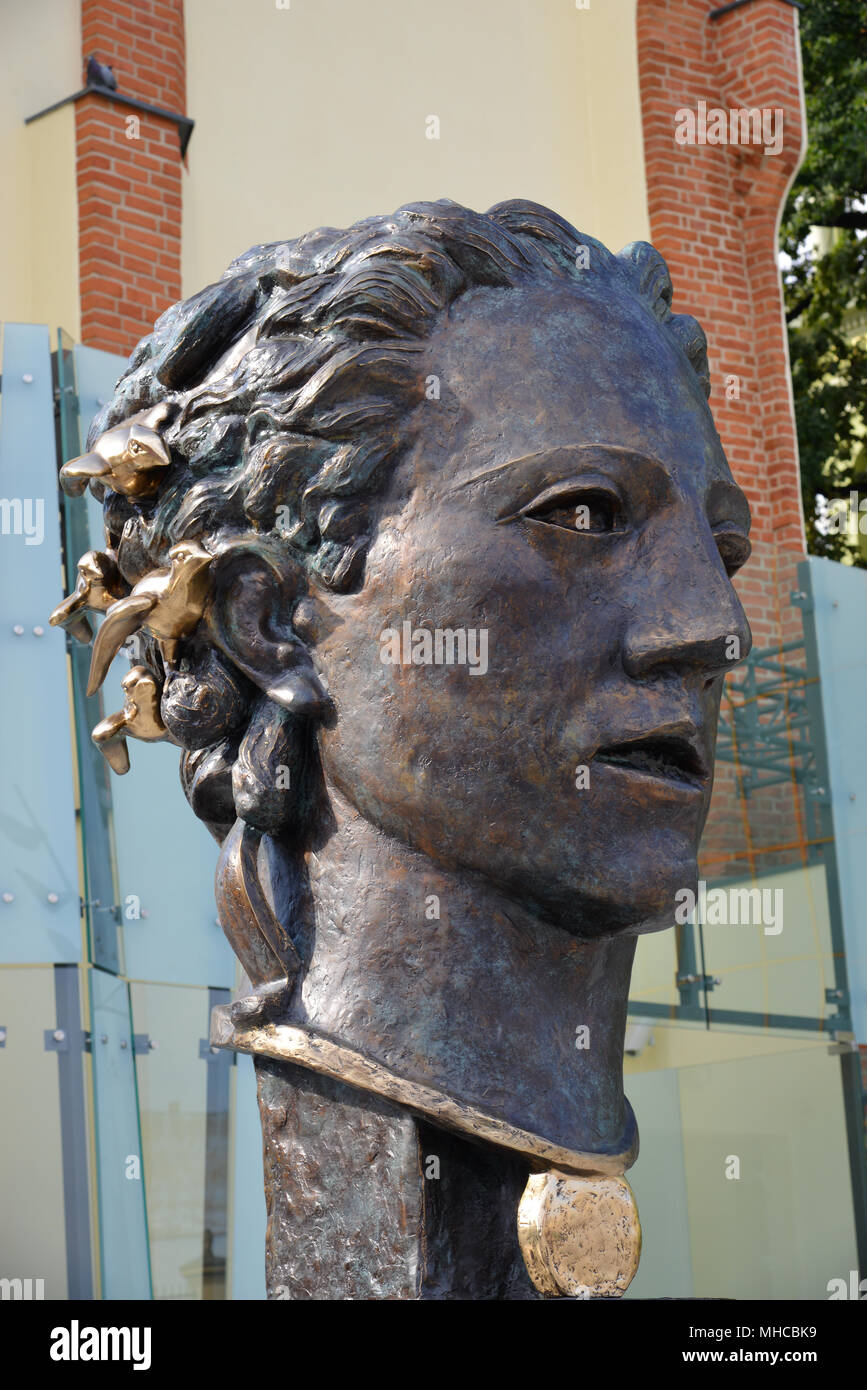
100,74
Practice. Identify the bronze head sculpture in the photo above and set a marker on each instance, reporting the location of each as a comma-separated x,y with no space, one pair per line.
437,589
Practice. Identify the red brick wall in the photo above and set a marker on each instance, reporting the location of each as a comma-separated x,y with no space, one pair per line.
129,190
714,213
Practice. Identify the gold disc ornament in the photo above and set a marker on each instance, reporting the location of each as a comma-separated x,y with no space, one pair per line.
580,1236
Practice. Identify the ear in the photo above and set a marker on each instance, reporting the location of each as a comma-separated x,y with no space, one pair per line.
250,620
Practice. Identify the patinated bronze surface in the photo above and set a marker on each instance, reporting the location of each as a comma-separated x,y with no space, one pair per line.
435,585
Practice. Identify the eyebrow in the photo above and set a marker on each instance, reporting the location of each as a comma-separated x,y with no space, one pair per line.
621,451
722,490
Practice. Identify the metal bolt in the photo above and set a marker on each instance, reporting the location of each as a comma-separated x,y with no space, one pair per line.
2,1035
39,632
851,796
152,1045
103,1037
53,898
58,1035
18,630
8,897
124,1044
27,378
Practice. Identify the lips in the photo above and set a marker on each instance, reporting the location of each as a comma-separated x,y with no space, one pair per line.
668,757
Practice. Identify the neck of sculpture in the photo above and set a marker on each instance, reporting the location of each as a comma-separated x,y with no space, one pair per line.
437,976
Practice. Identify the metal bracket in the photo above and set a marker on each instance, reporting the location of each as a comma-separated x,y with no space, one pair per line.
56,1040
215,1055
114,908
142,1044
801,599
704,981
820,795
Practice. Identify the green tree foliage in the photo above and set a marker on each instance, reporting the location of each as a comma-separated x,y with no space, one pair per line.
825,293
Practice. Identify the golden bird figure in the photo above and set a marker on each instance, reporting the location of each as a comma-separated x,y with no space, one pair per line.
99,585
139,717
168,602
128,459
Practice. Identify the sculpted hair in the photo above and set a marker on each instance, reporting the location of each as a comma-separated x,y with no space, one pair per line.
286,390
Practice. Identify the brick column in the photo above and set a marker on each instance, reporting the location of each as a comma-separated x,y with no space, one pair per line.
128,165
714,214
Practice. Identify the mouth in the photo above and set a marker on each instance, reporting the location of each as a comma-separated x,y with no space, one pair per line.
669,757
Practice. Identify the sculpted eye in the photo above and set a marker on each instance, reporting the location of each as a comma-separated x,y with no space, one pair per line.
734,549
593,510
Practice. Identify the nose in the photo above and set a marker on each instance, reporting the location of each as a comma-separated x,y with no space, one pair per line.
688,617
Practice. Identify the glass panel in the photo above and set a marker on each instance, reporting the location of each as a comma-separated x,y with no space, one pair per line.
120,1175
658,1180
654,974
768,847
32,1214
742,1182
166,861
248,1217
765,947
184,1099
839,595
100,890
40,916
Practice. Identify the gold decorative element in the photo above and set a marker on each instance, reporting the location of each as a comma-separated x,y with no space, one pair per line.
580,1236
139,717
168,602
294,1044
128,458
99,585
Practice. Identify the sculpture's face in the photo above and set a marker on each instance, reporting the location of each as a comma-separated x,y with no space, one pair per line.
569,759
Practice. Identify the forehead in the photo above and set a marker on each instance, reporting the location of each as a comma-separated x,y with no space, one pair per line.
560,364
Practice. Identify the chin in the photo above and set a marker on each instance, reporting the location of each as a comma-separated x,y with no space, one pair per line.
633,894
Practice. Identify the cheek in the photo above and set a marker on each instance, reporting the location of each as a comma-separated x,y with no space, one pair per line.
426,732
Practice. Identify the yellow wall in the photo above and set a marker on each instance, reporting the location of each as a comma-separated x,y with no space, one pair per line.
40,63
315,115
